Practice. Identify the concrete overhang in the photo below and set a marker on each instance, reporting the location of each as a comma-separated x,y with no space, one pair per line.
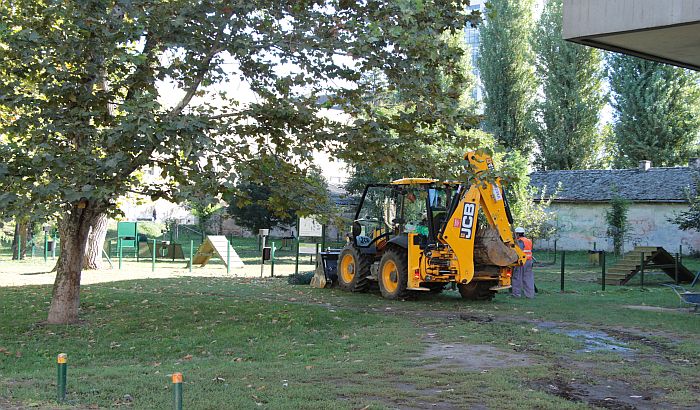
662,30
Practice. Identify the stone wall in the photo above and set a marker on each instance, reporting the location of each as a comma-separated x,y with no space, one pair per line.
582,225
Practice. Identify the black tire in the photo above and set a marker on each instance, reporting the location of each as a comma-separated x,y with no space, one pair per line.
353,270
393,274
476,290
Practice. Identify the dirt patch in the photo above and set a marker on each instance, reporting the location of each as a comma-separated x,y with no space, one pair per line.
472,357
612,394
476,319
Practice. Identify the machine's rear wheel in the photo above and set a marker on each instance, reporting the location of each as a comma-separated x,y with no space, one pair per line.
393,274
353,270
477,290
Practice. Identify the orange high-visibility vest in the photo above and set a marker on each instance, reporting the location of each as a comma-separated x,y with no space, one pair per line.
527,247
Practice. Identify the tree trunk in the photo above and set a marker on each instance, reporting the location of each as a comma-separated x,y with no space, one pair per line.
20,238
73,230
96,241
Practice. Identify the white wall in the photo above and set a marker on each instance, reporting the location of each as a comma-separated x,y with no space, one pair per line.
580,225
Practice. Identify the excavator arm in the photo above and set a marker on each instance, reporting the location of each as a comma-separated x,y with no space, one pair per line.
498,246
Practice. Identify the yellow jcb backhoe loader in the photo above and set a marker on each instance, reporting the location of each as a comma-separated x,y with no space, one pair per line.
420,234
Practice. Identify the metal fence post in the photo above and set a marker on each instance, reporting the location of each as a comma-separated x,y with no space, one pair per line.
641,269
602,255
228,256
120,246
272,262
191,256
46,245
676,268
563,263
153,257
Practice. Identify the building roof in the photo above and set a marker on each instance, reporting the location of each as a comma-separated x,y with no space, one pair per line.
600,185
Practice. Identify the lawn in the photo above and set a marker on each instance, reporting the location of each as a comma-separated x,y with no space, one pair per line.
263,343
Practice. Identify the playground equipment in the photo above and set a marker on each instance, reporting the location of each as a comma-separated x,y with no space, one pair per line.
217,245
420,234
647,258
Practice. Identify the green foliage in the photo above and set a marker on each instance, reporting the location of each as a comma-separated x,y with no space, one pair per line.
657,111
80,90
256,206
301,278
400,150
616,217
528,206
204,209
150,229
251,211
505,66
690,219
566,117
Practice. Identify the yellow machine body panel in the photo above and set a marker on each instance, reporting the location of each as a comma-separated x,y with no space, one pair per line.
414,181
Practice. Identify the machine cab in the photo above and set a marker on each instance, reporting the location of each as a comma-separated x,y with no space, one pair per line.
389,212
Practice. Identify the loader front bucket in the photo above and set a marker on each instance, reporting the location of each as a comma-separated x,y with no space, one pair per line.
489,249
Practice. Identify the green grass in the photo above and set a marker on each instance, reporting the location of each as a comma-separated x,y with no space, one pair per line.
247,343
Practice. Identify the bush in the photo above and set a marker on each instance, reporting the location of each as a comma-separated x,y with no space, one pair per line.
301,278
151,229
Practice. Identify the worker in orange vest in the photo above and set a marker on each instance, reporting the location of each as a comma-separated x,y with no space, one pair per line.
523,280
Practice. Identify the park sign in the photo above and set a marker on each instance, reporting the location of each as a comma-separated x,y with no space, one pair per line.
310,227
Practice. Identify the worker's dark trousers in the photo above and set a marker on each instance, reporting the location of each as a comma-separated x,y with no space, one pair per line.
523,281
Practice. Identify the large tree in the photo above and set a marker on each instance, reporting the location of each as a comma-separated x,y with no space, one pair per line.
424,152
507,73
79,89
656,111
571,79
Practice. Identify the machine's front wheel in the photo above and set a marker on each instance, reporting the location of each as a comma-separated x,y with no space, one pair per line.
393,274
353,270
476,290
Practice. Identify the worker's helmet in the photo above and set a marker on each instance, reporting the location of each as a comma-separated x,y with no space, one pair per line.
520,229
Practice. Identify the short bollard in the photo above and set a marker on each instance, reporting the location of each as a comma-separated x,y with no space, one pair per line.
61,385
177,390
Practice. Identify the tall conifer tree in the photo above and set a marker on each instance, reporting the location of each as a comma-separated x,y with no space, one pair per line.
507,72
571,77
656,111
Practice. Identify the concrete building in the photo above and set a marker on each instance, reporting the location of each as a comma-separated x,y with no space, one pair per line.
473,39
662,30
655,196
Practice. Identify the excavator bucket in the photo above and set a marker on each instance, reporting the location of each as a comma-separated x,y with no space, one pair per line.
319,278
326,269
489,249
